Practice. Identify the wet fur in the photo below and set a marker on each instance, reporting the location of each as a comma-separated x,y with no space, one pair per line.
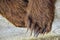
40,16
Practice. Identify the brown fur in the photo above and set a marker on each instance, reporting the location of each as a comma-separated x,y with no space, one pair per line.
14,11
40,15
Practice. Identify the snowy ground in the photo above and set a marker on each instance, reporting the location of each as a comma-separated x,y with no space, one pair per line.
9,32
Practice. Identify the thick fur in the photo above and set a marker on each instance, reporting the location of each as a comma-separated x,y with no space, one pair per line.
40,15
36,15
14,11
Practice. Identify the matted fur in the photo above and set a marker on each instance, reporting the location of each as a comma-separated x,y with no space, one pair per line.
14,11
40,15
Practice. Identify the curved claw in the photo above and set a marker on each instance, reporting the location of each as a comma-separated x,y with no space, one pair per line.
37,31
44,30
